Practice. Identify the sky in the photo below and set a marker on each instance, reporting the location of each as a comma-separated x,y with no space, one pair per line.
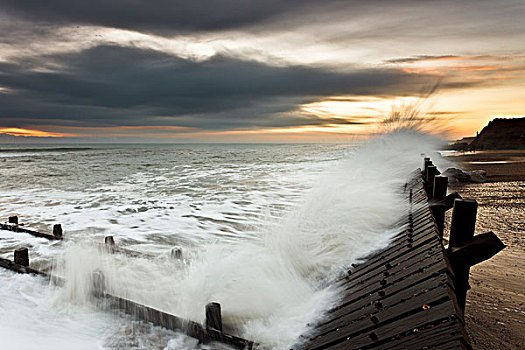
255,71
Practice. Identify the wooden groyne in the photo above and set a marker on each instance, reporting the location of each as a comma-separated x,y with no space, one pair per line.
211,331
109,242
411,294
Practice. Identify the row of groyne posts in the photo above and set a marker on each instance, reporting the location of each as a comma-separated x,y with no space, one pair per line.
410,294
210,331
464,249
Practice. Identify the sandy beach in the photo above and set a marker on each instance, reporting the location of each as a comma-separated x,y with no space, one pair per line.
501,165
495,312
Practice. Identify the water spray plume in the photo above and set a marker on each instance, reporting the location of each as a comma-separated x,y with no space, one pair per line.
275,282
417,116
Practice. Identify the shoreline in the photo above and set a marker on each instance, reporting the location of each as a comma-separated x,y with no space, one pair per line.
500,165
495,310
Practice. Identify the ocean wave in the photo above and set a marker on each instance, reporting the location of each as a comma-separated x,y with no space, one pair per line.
44,149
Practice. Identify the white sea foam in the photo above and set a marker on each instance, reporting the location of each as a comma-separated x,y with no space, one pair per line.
269,272
30,320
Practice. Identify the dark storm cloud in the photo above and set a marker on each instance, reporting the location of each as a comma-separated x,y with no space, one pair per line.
376,19
421,58
112,85
424,58
162,16
173,16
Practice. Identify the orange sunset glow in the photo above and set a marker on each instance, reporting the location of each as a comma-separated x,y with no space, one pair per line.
33,133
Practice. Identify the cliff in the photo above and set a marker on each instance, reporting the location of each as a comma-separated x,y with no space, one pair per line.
501,134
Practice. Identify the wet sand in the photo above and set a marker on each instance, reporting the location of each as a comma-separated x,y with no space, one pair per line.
499,165
495,310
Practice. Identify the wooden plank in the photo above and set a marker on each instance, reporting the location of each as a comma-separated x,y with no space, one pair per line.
387,267
410,232
402,310
418,223
423,214
10,265
437,268
400,272
455,345
387,330
115,249
392,253
356,311
403,253
393,290
419,198
389,290
433,268
172,322
430,336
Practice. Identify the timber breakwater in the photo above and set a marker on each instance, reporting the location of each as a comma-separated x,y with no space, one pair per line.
411,294
408,295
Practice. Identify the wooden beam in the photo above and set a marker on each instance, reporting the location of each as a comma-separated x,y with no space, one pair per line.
10,265
17,228
480,248
175,323
112,247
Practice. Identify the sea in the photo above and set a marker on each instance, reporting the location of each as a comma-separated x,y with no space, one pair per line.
264,229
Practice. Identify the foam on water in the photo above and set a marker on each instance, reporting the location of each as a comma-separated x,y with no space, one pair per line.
31,320
270,271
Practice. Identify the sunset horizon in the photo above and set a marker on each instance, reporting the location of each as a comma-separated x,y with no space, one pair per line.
301,134
295,72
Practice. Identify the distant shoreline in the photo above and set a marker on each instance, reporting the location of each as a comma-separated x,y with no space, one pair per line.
500,165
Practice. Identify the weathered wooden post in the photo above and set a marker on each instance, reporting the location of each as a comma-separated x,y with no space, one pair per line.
463,221
99,283
213,316
461,232
440,187
22,256
176,253
57,230
13,220
432,171
439,208
109,241
426,163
